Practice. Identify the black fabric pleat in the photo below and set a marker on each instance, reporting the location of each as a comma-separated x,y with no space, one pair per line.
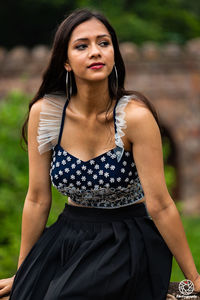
91,253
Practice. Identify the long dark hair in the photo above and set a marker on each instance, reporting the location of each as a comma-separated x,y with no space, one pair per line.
55,74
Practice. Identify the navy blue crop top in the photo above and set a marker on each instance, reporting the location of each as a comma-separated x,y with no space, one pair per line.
109,180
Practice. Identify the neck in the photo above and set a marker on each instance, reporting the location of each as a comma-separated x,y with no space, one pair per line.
91,99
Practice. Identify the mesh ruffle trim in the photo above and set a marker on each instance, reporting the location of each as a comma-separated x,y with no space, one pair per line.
51,116
121,124
50,122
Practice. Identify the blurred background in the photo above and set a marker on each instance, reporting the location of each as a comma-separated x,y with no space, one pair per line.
160,43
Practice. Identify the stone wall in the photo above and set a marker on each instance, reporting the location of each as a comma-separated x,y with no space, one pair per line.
168,75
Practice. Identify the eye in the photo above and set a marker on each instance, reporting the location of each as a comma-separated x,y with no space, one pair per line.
82,46
105,43
79,46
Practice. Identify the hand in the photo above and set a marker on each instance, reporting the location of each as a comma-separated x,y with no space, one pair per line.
5,286
196,283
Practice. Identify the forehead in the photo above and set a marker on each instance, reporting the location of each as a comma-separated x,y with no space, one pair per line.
83,30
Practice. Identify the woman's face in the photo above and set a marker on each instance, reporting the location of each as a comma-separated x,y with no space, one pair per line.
90,43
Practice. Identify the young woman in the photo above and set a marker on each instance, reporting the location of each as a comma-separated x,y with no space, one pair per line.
100,145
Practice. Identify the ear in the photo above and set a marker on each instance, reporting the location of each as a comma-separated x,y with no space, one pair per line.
67,66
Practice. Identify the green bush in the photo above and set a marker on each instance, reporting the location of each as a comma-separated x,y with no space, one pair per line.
14,181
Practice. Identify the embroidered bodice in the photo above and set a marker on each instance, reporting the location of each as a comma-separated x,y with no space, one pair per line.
109,180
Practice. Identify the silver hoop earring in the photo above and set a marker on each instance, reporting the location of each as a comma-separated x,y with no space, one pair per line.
68,85
116,76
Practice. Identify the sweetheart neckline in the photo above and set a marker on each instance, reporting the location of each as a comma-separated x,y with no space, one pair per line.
97,157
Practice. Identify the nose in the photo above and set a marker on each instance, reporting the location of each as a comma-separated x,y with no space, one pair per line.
94,50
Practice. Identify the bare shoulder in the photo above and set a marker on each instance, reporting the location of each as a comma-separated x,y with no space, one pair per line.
36,108
140,120
33,122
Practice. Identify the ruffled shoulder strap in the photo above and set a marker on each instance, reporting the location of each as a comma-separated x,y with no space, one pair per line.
50,121
120,123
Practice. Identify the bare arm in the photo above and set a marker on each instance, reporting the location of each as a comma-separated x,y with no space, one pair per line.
38,199
143,132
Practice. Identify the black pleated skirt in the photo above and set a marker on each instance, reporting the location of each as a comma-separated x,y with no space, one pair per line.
101,254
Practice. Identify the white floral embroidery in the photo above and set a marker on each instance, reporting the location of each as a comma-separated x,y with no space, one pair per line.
104,196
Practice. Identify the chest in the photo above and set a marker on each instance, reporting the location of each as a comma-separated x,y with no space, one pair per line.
104,171
87,139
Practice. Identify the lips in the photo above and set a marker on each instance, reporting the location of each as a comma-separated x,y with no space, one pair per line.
96,64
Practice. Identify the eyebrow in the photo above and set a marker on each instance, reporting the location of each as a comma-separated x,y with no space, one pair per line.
98,36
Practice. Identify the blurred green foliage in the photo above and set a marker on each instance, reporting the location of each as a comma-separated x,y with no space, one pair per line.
14,181
31,22
14,185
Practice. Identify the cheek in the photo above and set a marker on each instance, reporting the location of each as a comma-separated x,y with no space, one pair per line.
76,60
110,58
110,54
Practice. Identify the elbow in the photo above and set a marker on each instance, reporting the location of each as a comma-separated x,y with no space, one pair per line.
156,205
40,199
